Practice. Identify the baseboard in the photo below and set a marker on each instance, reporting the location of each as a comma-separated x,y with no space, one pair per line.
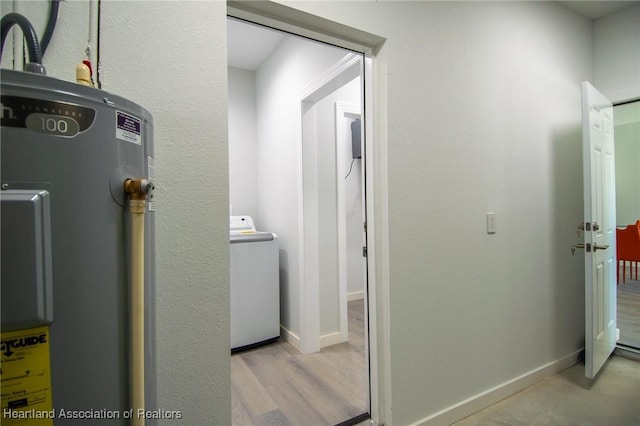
498,393
627,352
290,337
355,295
326,340
332,339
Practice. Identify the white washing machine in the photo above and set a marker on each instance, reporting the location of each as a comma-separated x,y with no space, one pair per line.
255,285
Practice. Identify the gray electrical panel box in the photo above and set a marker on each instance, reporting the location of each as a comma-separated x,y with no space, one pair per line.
27,293
356,140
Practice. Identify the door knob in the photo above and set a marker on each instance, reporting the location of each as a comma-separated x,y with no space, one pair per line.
588,246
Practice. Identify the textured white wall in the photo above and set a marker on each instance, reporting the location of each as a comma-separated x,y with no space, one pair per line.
165,58
243,148
616,54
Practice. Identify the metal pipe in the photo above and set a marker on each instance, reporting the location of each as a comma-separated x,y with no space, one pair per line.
137,190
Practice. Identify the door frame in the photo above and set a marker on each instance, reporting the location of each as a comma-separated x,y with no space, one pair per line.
311,339
621,346
621,99
344,112
377,308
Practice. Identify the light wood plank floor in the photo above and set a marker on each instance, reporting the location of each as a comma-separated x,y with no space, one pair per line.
277,385
629,311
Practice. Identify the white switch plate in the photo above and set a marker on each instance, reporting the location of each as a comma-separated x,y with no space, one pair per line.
491,223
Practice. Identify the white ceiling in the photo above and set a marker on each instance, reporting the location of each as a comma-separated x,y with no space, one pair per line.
249,45
597,9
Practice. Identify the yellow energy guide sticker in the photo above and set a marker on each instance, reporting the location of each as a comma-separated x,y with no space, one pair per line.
26,378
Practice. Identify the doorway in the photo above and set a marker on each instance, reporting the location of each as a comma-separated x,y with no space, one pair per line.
627,152
317,372
328,144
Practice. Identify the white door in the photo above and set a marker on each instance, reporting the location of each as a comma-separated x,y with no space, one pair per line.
599,228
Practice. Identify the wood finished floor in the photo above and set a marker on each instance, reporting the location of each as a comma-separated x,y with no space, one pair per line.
629,310
278,385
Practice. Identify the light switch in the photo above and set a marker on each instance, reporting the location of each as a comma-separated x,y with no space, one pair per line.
491,223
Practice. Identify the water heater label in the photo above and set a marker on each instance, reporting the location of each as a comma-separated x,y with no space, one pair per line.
26,377
53,118
128,128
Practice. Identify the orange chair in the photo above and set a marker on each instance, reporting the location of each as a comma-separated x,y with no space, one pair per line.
628,250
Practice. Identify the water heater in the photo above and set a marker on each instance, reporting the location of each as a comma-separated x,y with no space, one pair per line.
67,343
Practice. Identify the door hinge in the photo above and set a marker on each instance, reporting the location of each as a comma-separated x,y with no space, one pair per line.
364,225
364,251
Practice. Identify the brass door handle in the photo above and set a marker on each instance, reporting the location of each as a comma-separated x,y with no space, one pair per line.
582,246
